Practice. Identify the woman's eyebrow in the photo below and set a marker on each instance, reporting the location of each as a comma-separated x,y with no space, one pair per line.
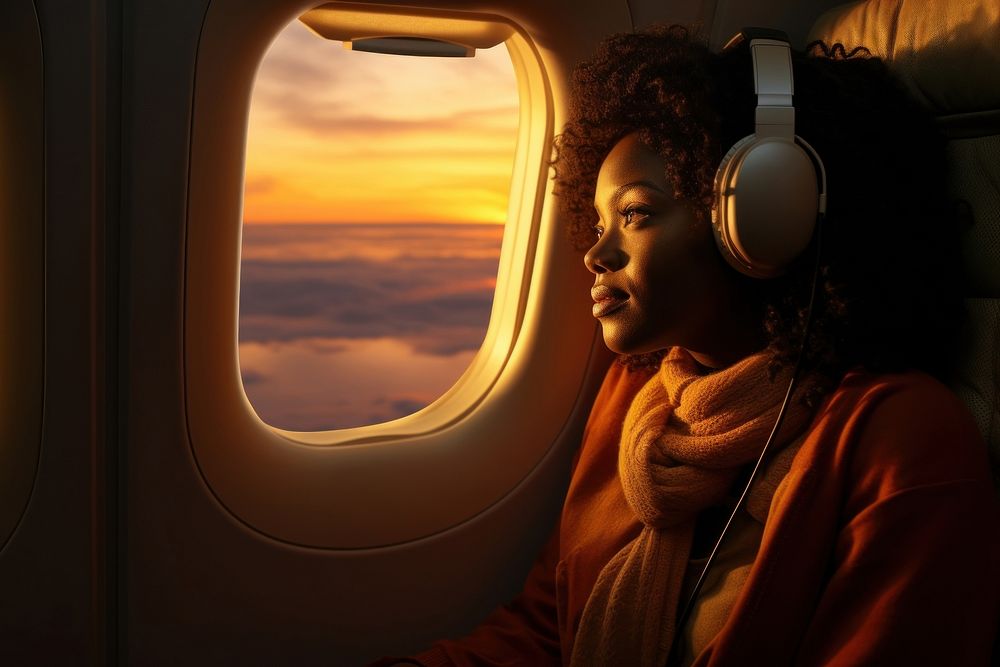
622,189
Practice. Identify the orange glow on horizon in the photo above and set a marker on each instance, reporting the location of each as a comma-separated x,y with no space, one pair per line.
344,136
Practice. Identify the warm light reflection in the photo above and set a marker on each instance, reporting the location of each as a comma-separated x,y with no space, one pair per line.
345,136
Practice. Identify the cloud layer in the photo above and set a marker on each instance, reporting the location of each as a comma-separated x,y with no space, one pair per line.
421,289
321,303
329,384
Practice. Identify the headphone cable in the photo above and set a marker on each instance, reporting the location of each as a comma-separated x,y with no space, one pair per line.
682,620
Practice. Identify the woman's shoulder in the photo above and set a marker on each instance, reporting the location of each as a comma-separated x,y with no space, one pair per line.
894,431
906,402
902,386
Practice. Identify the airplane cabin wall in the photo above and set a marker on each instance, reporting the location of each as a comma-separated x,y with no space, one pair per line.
55,557
22,260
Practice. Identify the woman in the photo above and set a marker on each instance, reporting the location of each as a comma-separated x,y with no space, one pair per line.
869,535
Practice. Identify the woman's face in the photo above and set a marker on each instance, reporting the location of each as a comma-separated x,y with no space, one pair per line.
660,281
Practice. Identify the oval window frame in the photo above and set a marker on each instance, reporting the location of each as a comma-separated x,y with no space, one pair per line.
303,488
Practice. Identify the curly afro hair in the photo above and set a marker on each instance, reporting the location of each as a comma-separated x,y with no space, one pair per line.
890,275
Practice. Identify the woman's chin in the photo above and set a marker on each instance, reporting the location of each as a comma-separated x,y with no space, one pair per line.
612,341
622,345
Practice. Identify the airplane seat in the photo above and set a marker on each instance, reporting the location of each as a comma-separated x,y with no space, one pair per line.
947,52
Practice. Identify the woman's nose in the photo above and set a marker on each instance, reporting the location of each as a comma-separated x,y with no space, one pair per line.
604,256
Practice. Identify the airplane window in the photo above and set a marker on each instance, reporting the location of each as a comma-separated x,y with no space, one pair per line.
375,194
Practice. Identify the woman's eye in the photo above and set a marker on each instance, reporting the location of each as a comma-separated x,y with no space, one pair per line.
634,214
598,231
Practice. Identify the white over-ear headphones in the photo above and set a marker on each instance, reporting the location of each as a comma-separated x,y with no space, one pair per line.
767,194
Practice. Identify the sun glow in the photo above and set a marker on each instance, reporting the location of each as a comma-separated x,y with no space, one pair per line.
345,136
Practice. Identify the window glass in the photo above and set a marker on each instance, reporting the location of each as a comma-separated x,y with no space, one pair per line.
375,195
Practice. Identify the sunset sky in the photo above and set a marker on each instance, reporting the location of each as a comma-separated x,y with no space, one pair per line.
345,136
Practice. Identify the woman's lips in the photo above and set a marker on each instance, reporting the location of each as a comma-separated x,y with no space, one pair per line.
607,299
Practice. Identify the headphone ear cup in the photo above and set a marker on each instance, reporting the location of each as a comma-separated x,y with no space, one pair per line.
765,207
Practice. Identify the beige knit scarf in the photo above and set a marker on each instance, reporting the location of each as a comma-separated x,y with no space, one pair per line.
684,441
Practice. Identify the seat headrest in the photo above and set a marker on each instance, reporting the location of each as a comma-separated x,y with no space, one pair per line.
946,51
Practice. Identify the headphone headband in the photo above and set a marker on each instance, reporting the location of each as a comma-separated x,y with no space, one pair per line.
770,185
773,83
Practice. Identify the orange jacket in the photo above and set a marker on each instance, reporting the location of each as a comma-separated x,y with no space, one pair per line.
882,546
